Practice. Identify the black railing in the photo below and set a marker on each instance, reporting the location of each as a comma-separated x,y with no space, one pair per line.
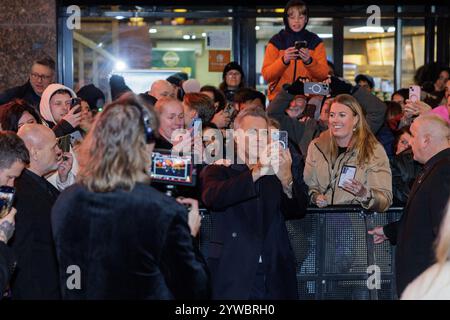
336,257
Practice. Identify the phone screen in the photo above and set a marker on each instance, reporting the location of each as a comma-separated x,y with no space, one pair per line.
281,136
6,200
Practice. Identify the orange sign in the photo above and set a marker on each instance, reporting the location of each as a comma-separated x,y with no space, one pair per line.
218,59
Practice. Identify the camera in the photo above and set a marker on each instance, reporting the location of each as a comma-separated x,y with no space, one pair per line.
316,88
172,169
300,44
6,200
75,102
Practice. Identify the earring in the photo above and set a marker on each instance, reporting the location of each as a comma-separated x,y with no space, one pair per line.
354,129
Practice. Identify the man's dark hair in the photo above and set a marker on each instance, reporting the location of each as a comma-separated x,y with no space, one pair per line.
12,149
201,103
246,94
46,61
11,112
404,92
218,96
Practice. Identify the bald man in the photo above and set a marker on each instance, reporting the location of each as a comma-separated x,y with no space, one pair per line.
36,275
416,231
162,89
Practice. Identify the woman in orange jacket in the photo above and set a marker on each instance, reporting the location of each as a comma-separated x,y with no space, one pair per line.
283,62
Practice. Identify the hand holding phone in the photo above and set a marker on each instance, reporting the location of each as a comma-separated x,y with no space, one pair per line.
6,200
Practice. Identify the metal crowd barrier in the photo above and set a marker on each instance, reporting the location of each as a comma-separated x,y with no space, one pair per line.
336,257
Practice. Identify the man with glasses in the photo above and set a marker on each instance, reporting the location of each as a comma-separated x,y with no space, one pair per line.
41,76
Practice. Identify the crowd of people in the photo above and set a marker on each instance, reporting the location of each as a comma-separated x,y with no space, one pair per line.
84,196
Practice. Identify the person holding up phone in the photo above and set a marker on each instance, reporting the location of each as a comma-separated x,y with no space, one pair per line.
14,157
346,164
294,51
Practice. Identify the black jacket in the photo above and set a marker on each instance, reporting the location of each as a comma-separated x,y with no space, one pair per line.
24,92
404,171
416,231
7,263
128,245
61,129
248,221
36,275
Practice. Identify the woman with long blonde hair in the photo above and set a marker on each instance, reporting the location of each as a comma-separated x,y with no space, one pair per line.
346,164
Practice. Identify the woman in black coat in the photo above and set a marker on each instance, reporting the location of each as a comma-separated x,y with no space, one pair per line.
116,237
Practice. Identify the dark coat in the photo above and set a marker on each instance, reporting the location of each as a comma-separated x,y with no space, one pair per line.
404,172
61,129
36,275
7,263
24,92
128,245
248,221
416,231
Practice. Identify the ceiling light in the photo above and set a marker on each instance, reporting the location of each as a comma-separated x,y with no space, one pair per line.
152,30
120,65
367,30
325,35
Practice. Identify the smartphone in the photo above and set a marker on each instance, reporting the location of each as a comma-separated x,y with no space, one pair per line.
318,88
347,173
300,44
281,136
75,102
6,200
197,126
414,93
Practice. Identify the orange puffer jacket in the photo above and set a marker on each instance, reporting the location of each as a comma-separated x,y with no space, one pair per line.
276,73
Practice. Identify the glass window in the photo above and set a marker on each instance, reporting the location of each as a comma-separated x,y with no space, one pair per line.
267,27
413,49
148,46
370,51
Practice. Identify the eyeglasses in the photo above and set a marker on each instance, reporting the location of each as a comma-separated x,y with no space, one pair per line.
41,77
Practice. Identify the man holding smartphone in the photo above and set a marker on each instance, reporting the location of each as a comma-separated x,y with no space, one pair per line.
294,52
13,158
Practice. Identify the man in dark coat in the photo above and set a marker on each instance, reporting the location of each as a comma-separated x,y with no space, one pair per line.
250,256
36,275
13,158
42,74
416,231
